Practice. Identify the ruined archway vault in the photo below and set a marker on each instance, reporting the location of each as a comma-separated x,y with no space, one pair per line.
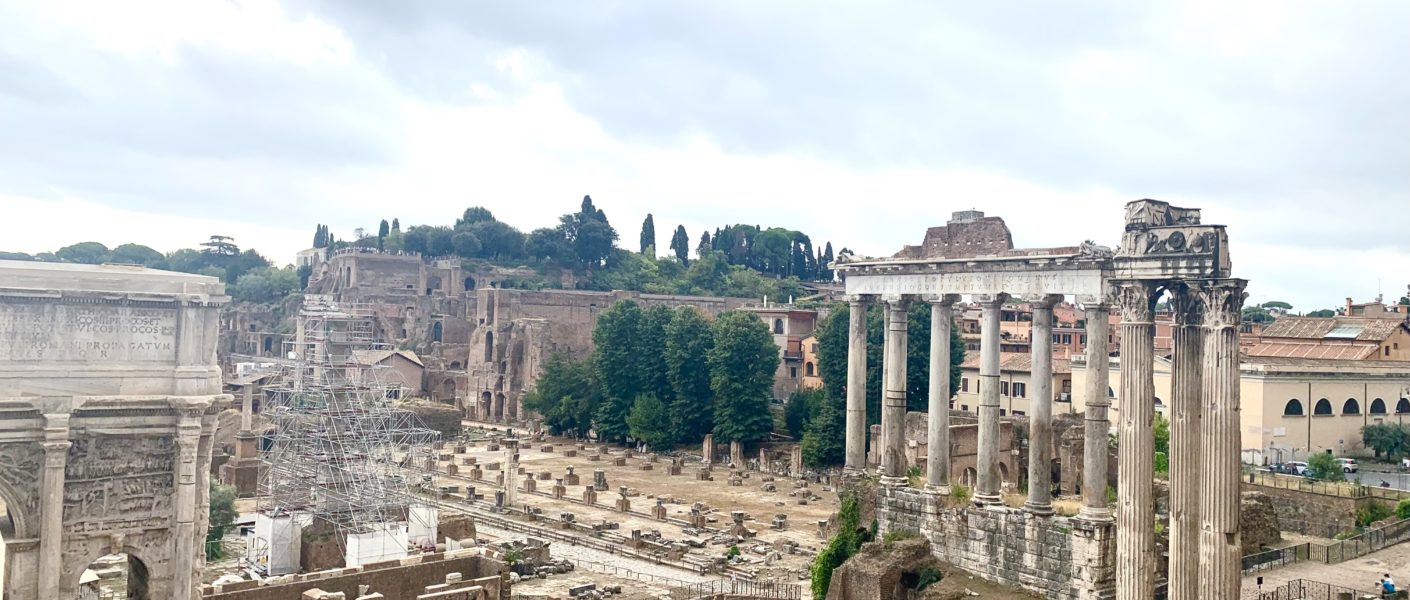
1104,550
108,391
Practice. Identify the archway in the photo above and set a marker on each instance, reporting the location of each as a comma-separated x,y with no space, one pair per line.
118,575
483,410
499,406
436,330
969,477
469,284
1003,472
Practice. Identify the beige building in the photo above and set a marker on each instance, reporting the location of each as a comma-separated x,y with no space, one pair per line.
1015,383
812,369
402,368
789,325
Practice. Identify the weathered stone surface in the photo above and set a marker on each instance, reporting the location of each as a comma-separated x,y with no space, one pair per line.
882,571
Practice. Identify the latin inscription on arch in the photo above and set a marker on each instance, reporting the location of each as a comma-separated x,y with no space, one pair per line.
86,332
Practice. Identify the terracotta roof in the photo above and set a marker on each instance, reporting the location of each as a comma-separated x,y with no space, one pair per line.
372,357
1018,362
1373,329
1318,351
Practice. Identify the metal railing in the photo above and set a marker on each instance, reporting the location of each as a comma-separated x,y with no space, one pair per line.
1306,589
767,590
1335,552
1340,489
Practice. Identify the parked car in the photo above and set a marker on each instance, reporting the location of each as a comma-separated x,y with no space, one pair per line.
1297,468
1348,465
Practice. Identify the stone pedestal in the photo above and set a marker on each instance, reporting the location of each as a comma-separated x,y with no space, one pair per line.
599,479
659,511
707,449
589,495
530,485
795,461
736,454
559,489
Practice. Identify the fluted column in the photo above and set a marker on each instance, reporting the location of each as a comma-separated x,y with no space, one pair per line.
856,387
987,487
1185,443
893,400
1040,418
1219,487
51,504
1096,424
937,455
1135,515
188,438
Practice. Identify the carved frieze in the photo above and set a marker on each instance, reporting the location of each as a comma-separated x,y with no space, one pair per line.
20,467
117,483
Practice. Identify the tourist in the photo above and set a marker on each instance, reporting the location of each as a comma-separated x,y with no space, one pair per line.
1387,585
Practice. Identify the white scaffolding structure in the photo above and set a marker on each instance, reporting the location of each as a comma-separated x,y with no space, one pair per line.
338,447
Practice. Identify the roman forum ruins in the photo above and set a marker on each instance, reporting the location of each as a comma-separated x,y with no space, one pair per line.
1164,250
109,390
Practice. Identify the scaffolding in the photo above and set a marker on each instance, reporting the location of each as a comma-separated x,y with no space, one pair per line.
340,448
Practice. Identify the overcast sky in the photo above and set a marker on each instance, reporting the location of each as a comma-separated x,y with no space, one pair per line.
856,122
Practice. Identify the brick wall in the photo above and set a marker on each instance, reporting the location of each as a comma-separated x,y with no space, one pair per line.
393,580
1056,557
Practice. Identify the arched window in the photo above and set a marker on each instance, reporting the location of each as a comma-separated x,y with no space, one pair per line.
1403,406
436,331
1378,407
1351,407
808,369
1323,407
1110,393
469,284
778,326
1293,408
455,364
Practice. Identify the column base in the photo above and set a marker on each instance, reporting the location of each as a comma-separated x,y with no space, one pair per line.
939,490
854,472
894,481
1095,515
988,499
1039,510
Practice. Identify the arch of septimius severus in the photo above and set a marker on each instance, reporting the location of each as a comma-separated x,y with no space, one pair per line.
1164,250
108,392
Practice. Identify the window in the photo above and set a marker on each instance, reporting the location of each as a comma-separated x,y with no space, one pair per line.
1018,413
1067,338
1020,390
964,385
778,326
1084,339
1003,412
1403,406
1378,407
1323,407
1003,388
1057,338
1351,407
793,372
964,407
808,369
1293,408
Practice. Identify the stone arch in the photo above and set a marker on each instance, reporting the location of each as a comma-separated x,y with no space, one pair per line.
1403,406
469,284
1378,407
1323,407
455,364
146,580
969,477
483,410
1003,471
1351,407
1293,408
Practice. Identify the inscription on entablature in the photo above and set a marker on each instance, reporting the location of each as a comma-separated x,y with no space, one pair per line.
1021,283
87,332
112,482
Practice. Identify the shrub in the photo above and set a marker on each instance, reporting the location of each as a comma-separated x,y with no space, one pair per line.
1402,510
838,549
1372,512
959,493
928,576
733,552
1324,468
899,534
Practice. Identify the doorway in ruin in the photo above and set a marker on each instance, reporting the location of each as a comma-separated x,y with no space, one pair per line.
485,401
119,575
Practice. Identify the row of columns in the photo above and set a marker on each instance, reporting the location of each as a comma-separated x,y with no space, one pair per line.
987,487
1204,440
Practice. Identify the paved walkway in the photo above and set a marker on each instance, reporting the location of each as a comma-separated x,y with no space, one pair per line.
1359,574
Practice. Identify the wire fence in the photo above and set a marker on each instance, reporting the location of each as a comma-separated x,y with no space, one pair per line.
1340,489
1306,589
766,590
1333,553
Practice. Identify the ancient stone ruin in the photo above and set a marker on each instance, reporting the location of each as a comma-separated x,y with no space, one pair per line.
1165,251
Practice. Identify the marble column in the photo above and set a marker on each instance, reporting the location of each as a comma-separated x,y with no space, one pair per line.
893,400
1135,515
188,438
511,472
51,504
1096,424
856,387
987,487
1185,452
1040,418
937,455
1219,486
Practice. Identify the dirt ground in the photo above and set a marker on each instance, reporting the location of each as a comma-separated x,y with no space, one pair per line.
680,492
1358,574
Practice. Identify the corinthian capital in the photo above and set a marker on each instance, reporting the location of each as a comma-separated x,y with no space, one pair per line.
1136,299
1223,301
1187,305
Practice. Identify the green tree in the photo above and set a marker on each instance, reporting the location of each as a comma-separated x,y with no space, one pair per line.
547,244
264,285
383,230
222,514
824,440
1161,429
466,244
1324,313
649,421
799,410
416,239
742,365
650,349
89,253
136,254
498,240
567,394
1277,304
689,338
1257,314
221,245
1323,467
705,244
440,241
1386,439
320,236
618,367
680,244
648,235
473,215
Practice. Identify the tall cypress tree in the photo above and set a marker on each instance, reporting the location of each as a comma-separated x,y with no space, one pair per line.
648,234
680,244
